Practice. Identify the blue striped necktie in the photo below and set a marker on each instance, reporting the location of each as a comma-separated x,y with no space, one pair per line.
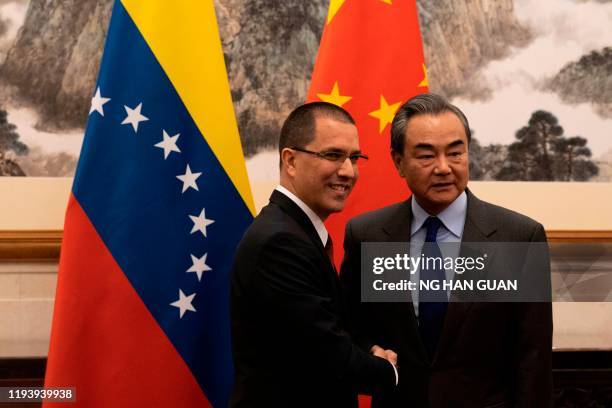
432,303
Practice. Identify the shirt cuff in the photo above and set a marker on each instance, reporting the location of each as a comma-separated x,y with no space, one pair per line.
396,374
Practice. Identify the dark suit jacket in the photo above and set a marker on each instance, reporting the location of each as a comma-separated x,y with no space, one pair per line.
289,346
489,355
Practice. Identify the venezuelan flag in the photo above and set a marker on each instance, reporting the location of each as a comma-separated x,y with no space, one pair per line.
160,201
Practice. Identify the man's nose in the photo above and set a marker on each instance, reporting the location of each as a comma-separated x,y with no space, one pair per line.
441,166
348,169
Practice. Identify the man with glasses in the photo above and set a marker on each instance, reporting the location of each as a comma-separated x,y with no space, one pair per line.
289,344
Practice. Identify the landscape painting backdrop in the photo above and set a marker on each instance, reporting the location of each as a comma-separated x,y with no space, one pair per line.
533,76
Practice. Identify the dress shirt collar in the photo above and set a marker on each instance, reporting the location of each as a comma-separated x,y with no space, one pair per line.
453,216
314,218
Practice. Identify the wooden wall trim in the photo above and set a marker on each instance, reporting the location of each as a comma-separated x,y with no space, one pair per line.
579,236
27,246
45,245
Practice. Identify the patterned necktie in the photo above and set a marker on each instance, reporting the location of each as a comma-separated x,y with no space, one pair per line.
432,302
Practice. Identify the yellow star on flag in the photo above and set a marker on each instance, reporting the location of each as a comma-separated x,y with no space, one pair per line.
334,6
425,81
385,113
334,96
386,1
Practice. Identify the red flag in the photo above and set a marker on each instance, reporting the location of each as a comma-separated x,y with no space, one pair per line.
370,62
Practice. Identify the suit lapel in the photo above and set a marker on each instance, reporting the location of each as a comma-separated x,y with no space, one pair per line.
397,229
479,227
479,224
296,213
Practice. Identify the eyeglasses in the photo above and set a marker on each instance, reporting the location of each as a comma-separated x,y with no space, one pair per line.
335,156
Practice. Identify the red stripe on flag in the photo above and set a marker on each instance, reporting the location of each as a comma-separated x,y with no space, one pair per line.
104,341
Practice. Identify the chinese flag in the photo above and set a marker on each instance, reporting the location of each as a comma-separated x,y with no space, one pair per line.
370,62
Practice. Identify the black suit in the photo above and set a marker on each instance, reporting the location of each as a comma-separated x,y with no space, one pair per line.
489,354
289,346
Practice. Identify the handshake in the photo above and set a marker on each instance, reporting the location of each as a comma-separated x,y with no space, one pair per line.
389,355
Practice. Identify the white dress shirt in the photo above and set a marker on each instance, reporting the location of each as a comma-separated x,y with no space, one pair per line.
314,218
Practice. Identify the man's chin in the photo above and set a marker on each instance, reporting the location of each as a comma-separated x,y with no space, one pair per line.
336,207
441,201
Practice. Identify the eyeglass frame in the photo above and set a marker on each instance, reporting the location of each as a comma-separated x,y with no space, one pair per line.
354,157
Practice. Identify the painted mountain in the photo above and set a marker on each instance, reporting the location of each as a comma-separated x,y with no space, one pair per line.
499,60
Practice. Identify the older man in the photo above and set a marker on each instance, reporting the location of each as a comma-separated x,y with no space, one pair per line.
289,346
449,354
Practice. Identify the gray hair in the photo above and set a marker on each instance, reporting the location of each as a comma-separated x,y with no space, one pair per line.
423,104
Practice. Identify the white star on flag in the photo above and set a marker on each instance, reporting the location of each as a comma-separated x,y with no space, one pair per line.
134,117
189,179
97,103
200,222
169,144
184,303
199,266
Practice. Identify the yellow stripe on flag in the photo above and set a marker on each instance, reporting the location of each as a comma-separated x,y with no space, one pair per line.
184,37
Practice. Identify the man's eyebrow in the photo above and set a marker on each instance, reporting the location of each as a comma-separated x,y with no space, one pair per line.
338,150
457,142
427,146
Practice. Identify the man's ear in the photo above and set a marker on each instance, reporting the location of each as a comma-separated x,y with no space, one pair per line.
288,161
398,160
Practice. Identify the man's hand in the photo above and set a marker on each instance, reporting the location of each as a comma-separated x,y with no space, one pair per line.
388,355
